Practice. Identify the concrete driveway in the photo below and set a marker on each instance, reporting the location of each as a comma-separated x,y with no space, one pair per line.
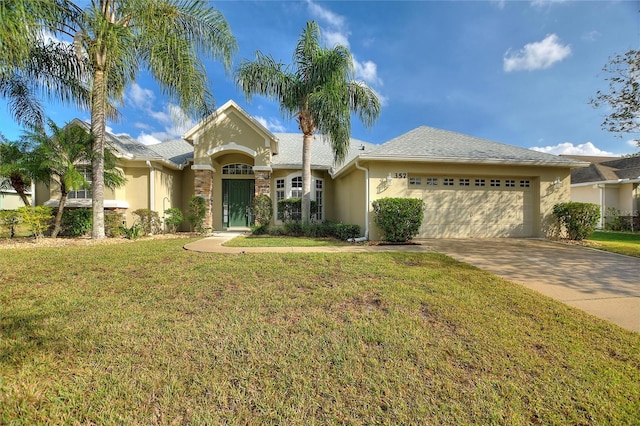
604,284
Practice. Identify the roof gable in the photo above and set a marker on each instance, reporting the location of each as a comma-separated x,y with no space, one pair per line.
606,169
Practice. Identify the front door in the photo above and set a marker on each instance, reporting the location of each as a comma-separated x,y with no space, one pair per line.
236,209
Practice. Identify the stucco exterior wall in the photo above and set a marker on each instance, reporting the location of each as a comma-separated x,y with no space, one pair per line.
349,203
12,201
136,190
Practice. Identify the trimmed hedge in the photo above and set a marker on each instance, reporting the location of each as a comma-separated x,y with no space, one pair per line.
399,219
578,219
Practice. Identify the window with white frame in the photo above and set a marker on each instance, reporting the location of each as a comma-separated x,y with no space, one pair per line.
448,181
479,182
296,187
432,181
415,181
237,169
525,183
319,186
495,182
86,192
463,181
280,190
510,183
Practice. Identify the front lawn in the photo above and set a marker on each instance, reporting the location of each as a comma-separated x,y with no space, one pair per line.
618,242
148,333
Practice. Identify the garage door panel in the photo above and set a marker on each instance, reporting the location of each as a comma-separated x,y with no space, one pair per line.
478,212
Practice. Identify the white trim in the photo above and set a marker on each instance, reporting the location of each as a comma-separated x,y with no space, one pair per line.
86,203
606,182
203,167
232,146
262,169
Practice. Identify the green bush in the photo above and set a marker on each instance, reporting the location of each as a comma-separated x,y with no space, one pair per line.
578,219
37,219
173,219
9,219
290,209
133,233
344,231
149,221
399,219
262,210
113,224
197,212
260,230
76,222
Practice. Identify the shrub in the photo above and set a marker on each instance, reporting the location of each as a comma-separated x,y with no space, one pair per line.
197,212
113,224
260,230
344,231
399,219
76,222
578,219
262,210
132,233
173,219
37,219
10,219
290,209
149,221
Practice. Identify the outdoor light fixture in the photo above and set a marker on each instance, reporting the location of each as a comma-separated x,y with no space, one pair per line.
389,179
557,183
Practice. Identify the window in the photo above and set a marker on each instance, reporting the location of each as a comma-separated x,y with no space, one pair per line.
525,183
510,183
463,182
296,187
448,181
280,190
82,193
432,181
237,169
415,181
319,199
495,182
479,182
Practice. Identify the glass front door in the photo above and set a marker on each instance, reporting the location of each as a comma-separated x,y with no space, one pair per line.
236,207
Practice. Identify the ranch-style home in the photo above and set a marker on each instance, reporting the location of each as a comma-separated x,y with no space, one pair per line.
610,182
471,187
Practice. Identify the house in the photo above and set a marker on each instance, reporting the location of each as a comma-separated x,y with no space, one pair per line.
610,182
471,187
9,198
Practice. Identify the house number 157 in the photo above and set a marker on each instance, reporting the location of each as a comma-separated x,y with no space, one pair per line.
400,175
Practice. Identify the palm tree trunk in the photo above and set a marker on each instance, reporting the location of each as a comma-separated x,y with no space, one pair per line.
18,184
98,126
57,227
306,177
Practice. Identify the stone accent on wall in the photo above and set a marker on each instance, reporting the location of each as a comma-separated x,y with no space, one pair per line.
203,187
263,183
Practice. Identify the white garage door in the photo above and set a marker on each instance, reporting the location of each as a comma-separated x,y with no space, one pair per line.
475,207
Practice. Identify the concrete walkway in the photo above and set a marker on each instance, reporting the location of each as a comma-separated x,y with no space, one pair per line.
604,284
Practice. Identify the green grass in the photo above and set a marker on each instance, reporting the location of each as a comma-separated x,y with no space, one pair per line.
616,242
147,333
271,241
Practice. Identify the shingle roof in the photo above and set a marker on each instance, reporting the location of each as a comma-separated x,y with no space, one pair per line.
177,151
429,144
290,151
605,169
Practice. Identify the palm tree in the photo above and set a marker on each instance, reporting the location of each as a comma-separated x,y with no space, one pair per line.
118,37
61,157
14,166
319,92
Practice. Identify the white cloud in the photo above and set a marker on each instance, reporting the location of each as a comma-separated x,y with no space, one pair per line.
537,55
140,97
334,38
326,15
567,148
148,139
591,35
368,71
544,3
273,124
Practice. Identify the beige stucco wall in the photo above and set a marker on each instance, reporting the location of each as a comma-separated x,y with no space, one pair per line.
350,199
622,197
136,190
12,201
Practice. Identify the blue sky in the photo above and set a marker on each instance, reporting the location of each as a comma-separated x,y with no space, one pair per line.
518,72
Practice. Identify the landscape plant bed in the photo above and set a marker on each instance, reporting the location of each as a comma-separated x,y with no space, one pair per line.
148,333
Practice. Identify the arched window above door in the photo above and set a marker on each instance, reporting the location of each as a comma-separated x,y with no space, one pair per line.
237,169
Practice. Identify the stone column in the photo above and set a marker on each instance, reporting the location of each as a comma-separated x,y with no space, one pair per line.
203,187
263,183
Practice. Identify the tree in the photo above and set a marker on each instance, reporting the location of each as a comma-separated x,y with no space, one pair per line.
14,166
623,98
61,157
118,37
319,92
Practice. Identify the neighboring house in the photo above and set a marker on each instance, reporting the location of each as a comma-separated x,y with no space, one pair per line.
9,198
610,182
471,187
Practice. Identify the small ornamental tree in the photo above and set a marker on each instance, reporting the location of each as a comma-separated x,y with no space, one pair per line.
149,221
262,210
578,219
197,212
9,219
399,219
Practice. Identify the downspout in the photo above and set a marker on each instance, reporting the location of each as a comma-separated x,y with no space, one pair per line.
366,210
602,206
152,187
